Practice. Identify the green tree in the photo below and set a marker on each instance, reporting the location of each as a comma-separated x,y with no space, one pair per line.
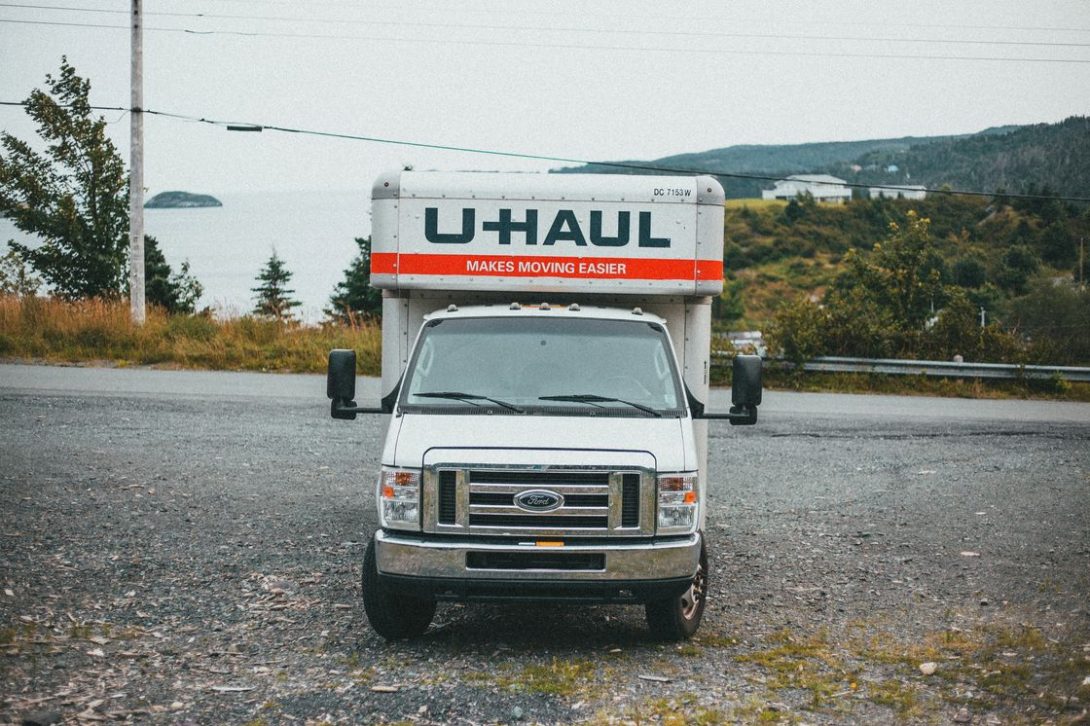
800,330
273,297
902,275
970,272
1057,245
354,297
1056,319
14,278
176,292
1019,264
74,196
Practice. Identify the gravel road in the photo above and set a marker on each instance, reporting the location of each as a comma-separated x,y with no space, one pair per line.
185,548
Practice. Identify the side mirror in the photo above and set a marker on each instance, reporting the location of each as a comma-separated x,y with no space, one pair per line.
340,383
340,387
745,389
745,393
340,380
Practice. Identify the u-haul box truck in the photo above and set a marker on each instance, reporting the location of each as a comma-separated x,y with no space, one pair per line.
545,350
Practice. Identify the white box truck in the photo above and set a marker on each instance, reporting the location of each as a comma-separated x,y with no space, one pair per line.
545,354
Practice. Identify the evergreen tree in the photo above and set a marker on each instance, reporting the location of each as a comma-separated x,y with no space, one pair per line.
176,292
74,196
354,297
272,295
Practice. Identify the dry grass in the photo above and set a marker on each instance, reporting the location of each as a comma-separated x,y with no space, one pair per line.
47,329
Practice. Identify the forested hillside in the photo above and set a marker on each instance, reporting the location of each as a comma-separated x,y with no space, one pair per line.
765,160
1018,261
1014,158
1023,160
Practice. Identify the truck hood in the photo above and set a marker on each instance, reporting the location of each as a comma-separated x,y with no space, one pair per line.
418,439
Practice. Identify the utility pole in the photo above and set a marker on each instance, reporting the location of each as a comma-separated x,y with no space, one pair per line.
1082,260
136,170
983,317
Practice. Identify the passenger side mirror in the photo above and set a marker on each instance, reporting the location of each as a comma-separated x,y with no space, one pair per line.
745,389
745,393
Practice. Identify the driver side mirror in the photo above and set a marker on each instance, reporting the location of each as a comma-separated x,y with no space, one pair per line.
340,383
340,387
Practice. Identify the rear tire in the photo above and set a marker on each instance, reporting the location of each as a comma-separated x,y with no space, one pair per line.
393,615
677,618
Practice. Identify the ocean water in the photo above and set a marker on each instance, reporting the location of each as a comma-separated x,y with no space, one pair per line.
227,246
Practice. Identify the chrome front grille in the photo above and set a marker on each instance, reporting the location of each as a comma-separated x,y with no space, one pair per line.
538,502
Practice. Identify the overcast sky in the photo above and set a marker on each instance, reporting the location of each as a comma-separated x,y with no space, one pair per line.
566,78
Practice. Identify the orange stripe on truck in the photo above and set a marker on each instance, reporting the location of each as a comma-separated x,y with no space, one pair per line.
616,268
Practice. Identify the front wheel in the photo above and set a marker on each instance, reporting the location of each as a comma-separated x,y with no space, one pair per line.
677,618
393,615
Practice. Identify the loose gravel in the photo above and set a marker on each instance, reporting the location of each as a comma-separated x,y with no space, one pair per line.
196,559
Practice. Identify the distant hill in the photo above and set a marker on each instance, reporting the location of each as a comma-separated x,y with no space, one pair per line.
181,200
1017,159
1011,157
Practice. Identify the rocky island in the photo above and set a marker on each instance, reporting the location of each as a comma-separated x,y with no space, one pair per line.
181,200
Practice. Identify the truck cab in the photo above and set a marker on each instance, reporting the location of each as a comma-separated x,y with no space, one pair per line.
549,447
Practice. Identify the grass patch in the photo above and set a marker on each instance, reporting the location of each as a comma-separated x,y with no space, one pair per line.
1008,666
900,697
558,678
58,331
755,203
680,711
807,663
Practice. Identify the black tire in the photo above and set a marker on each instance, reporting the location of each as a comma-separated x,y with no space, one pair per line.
677,618
393,615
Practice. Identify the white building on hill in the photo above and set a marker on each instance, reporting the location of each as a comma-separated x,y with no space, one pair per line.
821,187
903,191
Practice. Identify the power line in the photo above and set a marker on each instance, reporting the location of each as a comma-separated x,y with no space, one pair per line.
564,29
461,10
565,46
632,166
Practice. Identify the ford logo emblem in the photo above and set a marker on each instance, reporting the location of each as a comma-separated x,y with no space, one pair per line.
539,500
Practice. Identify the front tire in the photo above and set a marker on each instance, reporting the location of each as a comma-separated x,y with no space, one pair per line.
393,615
677,618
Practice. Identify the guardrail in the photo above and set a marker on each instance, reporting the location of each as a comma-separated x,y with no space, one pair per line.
937,368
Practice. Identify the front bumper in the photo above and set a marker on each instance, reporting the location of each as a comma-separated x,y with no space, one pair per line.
460,569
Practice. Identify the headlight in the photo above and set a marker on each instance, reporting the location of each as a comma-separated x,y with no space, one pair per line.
677,503
399,498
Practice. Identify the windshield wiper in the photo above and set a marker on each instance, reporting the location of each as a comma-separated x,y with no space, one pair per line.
470,397
594,399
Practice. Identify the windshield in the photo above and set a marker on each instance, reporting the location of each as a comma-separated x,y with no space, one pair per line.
537,365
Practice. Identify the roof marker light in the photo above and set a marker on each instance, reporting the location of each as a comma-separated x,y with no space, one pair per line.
637,311
515,306
574,307
544,306
452,308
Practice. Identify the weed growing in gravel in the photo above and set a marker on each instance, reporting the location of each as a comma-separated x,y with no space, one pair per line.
560,678
1014,666
362,676
806,663
680,711
714,640
900,697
